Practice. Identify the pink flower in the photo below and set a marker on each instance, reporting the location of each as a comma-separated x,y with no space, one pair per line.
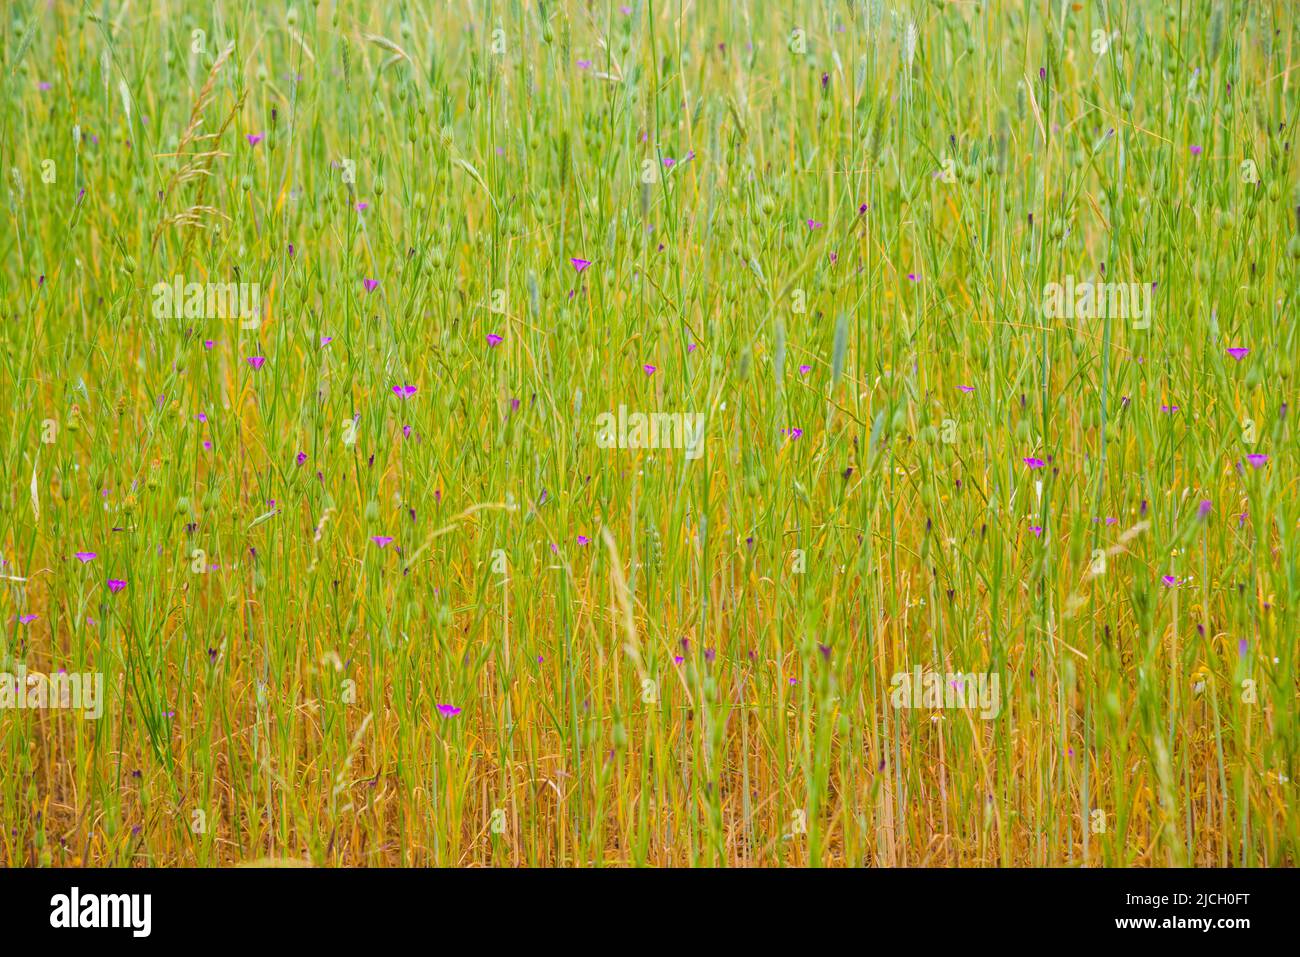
27,619
1238,352
404,391
370,284
256,361
325,340
649,370
301,457
381,540
1257,459
580,264
966,388
804,370
1034,463
448,710
583,539
493,339
1196,150
84,557
116,584
254,138
813,224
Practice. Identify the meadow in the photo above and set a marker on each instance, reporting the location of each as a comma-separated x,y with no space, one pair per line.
545,433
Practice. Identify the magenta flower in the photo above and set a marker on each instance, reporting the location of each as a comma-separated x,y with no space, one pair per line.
649,370
1171,409
584,64
256,361
325,340
254,138
1204,509
27,619
1037,530
493,339
1034,463
580,264
1196,150
966,388
1238,352
813,224
370,284
208,343
1169,580
381,540
448,710
84,557
1257,459
583,540
804,370
116,585
404,391
362,207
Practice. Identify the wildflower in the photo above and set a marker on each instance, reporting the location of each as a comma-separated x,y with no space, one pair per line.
649,370
580,264
1257,459
583,540
404,391
370,284
256,361
448,710
1238,352
116,585
813,224
493,339
254,138
84,557
1034,463
381,540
